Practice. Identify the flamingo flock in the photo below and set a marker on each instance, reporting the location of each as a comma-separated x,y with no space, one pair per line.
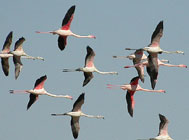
139,58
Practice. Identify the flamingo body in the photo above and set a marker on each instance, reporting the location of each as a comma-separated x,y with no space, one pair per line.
39,90
75,114
65,31
89,67
131,89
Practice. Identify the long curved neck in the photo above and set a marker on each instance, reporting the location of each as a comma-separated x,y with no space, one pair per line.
56,96
80,36
102,72
31,57
92,116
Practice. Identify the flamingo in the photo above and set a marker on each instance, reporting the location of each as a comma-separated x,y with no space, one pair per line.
38,90
163,129
131,89
18,53
152,72
89,67
65,31
76,113
5,54
154,47
160,63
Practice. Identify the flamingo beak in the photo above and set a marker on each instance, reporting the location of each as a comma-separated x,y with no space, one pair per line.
69,97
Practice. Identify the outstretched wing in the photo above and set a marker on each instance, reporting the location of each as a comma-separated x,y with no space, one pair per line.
157,34
163,126
130,102
62,41
152,70
33,98
39,84
88,77
89,59
18,44
5,65
18,65
8,42
134,81
78,103
68,18
75,126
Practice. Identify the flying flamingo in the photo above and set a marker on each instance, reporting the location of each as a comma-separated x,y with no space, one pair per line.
18,53
154,47
5,54
76,113
163,130
137,57
160,63
38,90
134,55
65,31
153,72
131,89
89,67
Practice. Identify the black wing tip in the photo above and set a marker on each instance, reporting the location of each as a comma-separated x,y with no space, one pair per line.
85,83
10,34
28,107
45,76
161,116
75,135
135,78
89,49
82,95
131,113
73,7
22,38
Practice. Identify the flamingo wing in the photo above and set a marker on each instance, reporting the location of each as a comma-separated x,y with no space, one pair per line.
75,126
78,103
33,98
89,59
18,65
62,41
134,81
130,102
68,18
8,42
152,70
18,44
88,77
163,126
5,65
39,84
157,34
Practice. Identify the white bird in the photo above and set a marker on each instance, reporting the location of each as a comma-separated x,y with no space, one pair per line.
154,46
65,31
89,67
18,53
38,90
163,129
131,89
76,113
5,54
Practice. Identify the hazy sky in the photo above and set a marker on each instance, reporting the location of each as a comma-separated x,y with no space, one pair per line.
117,25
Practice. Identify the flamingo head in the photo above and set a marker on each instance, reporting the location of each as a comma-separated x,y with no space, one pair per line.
184,66
69,97
92,36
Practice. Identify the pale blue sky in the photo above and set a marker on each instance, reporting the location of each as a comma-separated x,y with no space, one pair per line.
117,25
